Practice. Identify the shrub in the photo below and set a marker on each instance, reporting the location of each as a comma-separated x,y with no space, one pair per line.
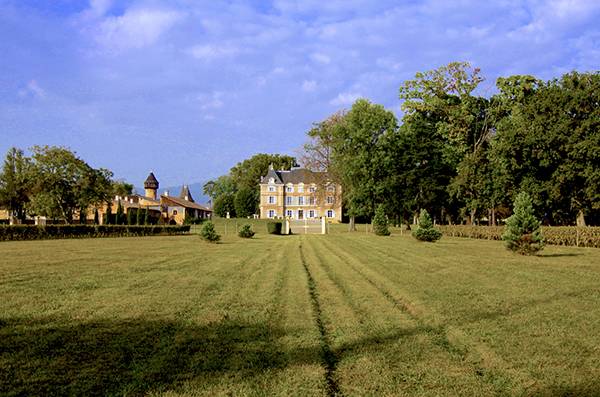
246,231
274,227
380,222
131,216
523,232
139,218
208,232
425,230
120,216
32,232
108,215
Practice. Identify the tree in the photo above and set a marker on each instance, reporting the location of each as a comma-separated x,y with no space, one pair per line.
119,216
108,218
317,152
224,204
361,155
15,183
523,232
96,217
380,222
140,216
248,173
222,185
147,219
64,183
425,230
245,202
121,188
131,218
209,233
246,231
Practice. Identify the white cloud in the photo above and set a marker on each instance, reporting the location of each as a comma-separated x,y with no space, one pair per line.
32,89
309,85
345,99
211,101
320,58
210,52
136,28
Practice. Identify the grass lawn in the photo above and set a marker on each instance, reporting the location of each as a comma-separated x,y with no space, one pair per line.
345,313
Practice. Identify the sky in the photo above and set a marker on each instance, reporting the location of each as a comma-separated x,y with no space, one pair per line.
189,88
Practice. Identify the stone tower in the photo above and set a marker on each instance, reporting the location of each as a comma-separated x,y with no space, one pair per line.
151,186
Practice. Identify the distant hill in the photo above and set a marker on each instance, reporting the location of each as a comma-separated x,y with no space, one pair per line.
195,188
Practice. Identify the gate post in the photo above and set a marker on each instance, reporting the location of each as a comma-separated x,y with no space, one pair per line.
286,226
323,225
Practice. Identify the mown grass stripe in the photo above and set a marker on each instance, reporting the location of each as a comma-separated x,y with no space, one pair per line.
330,360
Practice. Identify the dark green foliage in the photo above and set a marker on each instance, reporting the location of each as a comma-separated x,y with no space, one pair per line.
224,204
131,216
245,202
108,217
139,218
120,216
380,222
425,230
15,183
246,231
96,217
523,233
190,220
30,232
274,227
209,233
147,219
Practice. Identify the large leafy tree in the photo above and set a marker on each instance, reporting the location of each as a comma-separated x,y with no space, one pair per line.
245,202
362,154
247,173
15,183
220,186
65,184
547,144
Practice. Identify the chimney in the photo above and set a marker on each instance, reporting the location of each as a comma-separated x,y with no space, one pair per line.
166,194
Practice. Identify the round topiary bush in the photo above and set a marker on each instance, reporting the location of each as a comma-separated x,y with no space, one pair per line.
425,230
209,233
246,231
523,232
380,222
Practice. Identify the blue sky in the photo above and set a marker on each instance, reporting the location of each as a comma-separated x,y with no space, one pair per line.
188,88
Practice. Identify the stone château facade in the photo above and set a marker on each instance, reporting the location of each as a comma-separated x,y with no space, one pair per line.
300,194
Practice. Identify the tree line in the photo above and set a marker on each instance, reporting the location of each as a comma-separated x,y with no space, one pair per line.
54,182
464,157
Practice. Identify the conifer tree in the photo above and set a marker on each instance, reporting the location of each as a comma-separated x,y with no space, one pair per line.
139,217
147,217
380,222
120,215
130,216
108,215
96,217
523,233
425,230
209,233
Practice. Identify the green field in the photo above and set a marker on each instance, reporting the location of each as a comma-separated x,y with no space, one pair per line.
345,313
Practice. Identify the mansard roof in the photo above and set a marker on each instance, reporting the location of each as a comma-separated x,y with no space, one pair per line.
295,176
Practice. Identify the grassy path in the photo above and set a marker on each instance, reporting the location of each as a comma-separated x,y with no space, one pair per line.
342,314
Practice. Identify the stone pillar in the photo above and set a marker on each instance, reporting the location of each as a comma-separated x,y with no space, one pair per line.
323,225
286,226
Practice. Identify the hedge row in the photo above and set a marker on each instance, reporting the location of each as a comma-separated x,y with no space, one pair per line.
29,232
556,235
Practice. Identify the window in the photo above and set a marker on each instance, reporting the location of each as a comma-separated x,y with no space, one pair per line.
174,212
289,213
272,199
300,200
312,189
271,213
329,199
311,213
271,188
329,213
311,200
301,188
289,200
289,189
330,188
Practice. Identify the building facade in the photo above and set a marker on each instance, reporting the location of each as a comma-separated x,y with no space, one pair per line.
300,194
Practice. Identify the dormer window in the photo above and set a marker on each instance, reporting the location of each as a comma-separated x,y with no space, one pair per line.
271,180
289,188
271,188
301,188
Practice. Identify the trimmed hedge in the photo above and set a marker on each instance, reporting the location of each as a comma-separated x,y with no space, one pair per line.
274,227
29,232
586,236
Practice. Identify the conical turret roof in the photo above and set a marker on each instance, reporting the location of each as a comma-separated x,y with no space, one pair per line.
151,182
186,194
